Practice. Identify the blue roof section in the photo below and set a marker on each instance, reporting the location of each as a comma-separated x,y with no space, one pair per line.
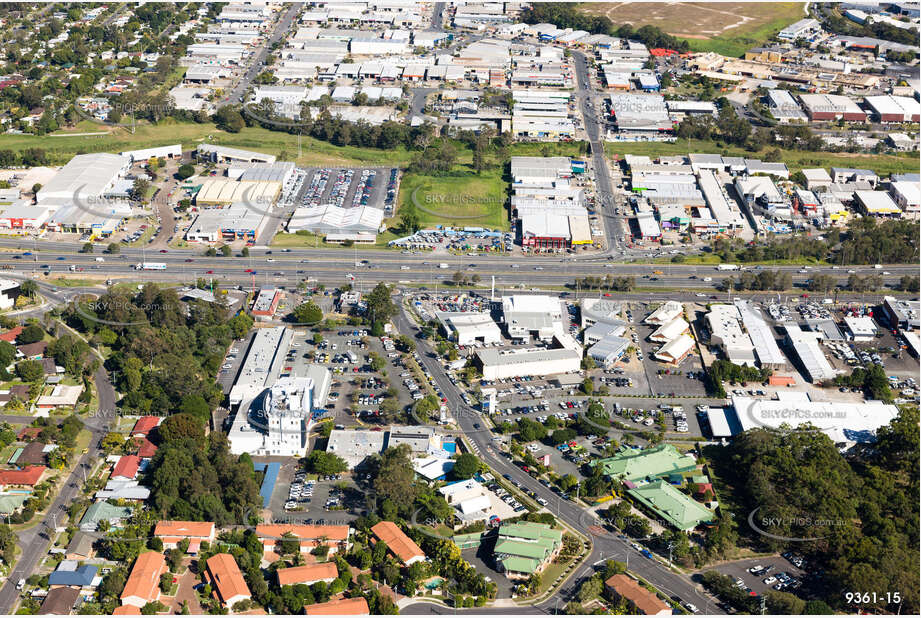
268,482
82,576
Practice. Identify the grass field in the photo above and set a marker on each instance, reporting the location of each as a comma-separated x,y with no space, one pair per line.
88,136
468,199
726,28
882,164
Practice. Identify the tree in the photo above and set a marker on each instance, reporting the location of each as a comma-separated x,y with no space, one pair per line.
380,304
87,247
409,220
588,387
226,251
180,426
186,170
29,288
31,333
465,466
30,370
114,248
395,477
307,313
323,463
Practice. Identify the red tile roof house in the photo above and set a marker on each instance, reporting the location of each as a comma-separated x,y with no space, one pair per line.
335,537
143,585
309,574
357,606
126,468
146,448
27,476
226,580
10,335
144,425
400,545
172,532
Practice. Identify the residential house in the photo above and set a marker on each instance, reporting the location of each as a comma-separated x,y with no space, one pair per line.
639,598
197,532
356,606
399,544
143,585
308,574
103,511
226,580
59,602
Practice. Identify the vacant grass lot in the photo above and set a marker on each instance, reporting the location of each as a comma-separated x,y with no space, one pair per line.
467,199
795,159
91,137
728,28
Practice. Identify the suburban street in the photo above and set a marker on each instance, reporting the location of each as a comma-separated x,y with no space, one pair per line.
34,540
282,27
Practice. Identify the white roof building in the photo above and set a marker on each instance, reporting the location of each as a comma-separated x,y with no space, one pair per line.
844,423
672,330
726,332
527,315
469,328
665,313
675,350
327,218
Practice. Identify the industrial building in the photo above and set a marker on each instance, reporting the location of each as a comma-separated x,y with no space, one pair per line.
160,152
844,422
767,352
832,107
470,328
902,314
640,112
806,350
784,107
258,195
888,108
608,350
724,323
331,219
675,350
802,29
725,212
237,221
527,316
877,204
263,358
497,365
225,154
906,194
266,303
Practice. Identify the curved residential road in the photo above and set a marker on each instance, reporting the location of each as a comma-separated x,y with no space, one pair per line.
604,546
35,540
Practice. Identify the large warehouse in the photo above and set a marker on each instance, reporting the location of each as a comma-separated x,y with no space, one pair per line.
234,222
832,107
498,365
470,327
218,191
330,219
640,112
888,108
224,154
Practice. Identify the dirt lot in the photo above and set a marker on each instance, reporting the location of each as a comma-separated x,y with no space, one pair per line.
689,19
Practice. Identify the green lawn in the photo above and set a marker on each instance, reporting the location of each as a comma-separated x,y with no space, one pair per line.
882,164
465,200
63,145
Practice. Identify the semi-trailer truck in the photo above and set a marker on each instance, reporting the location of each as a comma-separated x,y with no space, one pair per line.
727,267
150,266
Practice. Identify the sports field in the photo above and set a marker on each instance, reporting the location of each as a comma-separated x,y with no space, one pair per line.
728,28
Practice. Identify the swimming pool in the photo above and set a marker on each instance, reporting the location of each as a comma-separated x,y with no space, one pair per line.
435,583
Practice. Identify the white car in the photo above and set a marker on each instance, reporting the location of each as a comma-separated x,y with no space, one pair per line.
769,580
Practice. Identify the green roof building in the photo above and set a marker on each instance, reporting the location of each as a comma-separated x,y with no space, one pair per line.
524,548
10,503
467,541
103,511
634,465
679,510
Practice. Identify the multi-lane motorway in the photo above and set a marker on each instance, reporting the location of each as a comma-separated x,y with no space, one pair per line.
369,266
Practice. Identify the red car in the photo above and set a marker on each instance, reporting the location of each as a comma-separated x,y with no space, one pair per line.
248,270
189,260
163,251
209,272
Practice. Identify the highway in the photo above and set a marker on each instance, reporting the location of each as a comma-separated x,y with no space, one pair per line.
604,545
331,266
